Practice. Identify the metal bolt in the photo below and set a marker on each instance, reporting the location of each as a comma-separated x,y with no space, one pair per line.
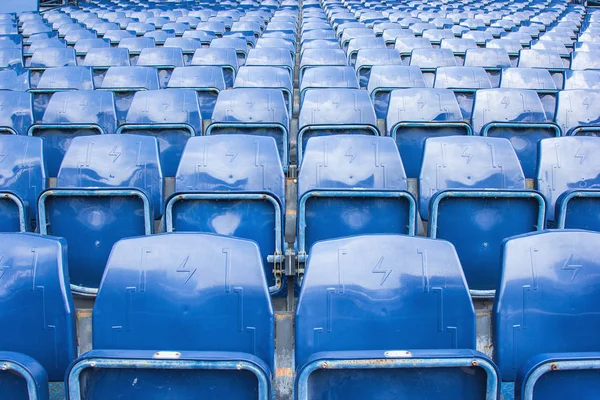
474,363
554,367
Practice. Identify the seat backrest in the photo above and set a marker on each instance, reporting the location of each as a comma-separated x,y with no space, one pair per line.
137,44
487,58
84,45
186,44
546,301
201,36
383,281
173,106
405,45
11,58
458,45
511,46
197,77
114,161
322,57
22,168
506,105
107,57
16,111
581,60
458,78
394,76
166,57
567,163
341,162
50,57
527,78
66,78
579,107
422,104
183,301
130,78
231,163
82,107
231,42
336,107
263,76
467,162
16,80
549,45
535,58
215,56
36,298
432,58
251,105
269,56
588,79
329,77
371,57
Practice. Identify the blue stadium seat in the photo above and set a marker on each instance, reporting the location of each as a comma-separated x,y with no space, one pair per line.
326,112
357,44
15,80
84,45
253,111
512,47
577,112
233,185
390,35
50,57
115,36
267,77
36,298
205,37
555,46
217,27
53,42
568,176
181,330
385,78
406,45
207,81
517,115
545,315
172,116
164,59
418,113
535,79
22,178
588,79
74,35
430,59
352,185
492,60
224,58
472,192
11,42
327,78
546,59
109,187
582,60
135,45
70,114
321,58
140,28
16,112
125,81
459,47
59,79
232,42
464,82
367,58
271,57
100,59
188,46
11,59
436,36
364,297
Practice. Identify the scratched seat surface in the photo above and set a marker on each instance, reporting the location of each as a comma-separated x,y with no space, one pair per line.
212,283
35,297
472,192
544,313
370,286
108,187
231,193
